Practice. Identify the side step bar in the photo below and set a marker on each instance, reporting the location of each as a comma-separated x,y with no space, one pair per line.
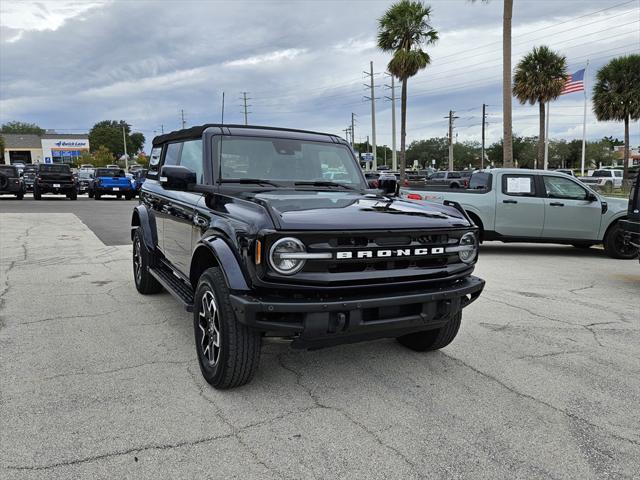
174,285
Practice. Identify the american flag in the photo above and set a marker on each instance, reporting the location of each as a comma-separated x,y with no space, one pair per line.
575,83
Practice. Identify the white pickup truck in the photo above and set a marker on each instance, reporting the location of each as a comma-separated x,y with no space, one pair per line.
518,205
605,179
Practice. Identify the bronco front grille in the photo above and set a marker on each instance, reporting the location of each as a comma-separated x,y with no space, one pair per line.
391,257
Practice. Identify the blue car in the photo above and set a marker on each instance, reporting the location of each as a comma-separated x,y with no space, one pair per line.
112,181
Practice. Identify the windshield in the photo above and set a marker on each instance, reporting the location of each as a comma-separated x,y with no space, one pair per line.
288,161
109,172
602,173
84,174
54,168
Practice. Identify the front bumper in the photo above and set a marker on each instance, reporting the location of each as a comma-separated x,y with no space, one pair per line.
315,323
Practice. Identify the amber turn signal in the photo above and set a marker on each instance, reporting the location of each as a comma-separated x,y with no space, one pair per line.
258,252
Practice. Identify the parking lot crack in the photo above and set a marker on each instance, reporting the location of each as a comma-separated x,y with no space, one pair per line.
374,435
22,240
115,370
117,453
540,401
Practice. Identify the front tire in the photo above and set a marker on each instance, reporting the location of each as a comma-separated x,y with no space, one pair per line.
73,196
433,339
614,245
142,260
228,351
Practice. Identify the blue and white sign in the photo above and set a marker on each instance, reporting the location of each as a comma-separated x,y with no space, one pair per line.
47,160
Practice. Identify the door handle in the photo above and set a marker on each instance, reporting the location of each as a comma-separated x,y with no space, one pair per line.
509,201
556,204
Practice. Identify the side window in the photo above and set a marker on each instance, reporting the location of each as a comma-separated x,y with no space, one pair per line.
191,158
557,187
454,175
172,155
617,173
518,185
439,175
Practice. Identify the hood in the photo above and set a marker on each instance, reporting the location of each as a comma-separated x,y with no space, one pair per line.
330,210
616,204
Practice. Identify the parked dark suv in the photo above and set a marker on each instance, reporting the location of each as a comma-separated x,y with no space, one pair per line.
243,226
10,182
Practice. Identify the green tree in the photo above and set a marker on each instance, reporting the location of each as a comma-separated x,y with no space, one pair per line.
540,77
404,29
102,156
427,150
21,127
616,96
108,133
137,142
524,152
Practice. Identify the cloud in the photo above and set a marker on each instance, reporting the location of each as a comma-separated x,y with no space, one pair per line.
68,64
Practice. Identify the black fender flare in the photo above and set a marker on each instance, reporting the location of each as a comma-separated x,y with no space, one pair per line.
147,222
226,260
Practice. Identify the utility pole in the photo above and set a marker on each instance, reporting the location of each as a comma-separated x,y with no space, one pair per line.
246,112
353,131
484,121
182,115
126,157
371,86
222,117
451,118
394,160
162,128
346,133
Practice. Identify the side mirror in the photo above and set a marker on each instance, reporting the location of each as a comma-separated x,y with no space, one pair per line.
591,197
177,177
388,184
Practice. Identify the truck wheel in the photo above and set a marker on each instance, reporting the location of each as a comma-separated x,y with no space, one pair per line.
20,195
433,339
454,185
90,193
228,351
119,196
142,259
36,194
128,196
608,187
614,244
73,196
96,195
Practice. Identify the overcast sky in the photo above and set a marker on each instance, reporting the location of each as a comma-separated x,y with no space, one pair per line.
67,64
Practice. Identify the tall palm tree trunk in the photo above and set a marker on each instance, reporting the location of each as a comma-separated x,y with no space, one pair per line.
403,131
541,138
625,156
507,144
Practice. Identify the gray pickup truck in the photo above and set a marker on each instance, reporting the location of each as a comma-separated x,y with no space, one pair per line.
540,206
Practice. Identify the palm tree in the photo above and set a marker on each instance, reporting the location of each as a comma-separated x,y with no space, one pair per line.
540,77
616,95
404,29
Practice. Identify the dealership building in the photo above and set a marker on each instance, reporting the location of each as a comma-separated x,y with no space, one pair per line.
47,148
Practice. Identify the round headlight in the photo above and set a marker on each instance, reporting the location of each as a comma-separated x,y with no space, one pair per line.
468,254
282,256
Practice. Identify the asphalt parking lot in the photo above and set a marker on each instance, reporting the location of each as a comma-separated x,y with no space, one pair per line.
99,382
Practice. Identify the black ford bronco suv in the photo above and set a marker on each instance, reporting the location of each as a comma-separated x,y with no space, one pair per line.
268,231
10,182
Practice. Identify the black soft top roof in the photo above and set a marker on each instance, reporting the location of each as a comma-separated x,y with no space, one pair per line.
230,129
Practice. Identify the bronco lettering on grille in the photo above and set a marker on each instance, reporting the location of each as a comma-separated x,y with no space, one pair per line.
398,252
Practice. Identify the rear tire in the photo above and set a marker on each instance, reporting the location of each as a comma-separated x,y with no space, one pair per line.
90,194
142,260
614,245
608,187
20,195
433,339
119,196
73,196
96,196
36,194
128,197
228,351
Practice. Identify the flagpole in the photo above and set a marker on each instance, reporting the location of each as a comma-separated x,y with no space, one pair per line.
546,141
584,120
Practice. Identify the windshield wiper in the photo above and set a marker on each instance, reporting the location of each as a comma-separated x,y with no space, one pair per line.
250,180
323,183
